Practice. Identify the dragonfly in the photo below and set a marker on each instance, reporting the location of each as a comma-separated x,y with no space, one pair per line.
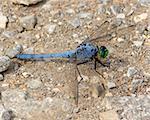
85,52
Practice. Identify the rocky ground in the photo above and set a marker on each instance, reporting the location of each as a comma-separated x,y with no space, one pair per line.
32,90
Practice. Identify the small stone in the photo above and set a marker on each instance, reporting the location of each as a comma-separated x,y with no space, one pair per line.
28,22
136,83
70,11
140,17
101,9
26,74
4,63
85,15
144,2
105,1
14,51
120,40
97,90
131,71
9,34
50,28
8,115
34,84
116,9
111,85
138,43
3,21
120,16
1,77
75,22
26,2
109,115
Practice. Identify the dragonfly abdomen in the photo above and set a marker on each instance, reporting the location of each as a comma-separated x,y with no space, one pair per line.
67,54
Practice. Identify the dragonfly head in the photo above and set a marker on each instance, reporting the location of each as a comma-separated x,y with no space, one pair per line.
102,52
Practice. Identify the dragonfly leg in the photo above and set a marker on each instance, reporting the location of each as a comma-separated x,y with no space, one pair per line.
77,89
95,66
76,85
79,72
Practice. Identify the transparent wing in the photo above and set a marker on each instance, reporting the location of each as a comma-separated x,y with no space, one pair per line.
107,31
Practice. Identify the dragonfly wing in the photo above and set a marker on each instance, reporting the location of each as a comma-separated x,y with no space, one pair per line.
107,30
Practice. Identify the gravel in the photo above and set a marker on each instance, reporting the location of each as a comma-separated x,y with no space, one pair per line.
47,90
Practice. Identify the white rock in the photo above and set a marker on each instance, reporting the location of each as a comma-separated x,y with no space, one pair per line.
138,43
28,22
4,63
140,17
1,77
85,15
12,52
131,71
121,16
120,39
3,21
50,28
111,85
26,2
75,22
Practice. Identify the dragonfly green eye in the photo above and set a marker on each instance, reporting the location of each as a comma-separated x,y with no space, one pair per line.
103,52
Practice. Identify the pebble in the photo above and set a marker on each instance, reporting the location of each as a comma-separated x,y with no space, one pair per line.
120,39
1,77
75,22
8,115
85,16
4,63
104,1
26,2
9,34
120,16
70,11
101,9
26,74
28,22
138,43
50,28
34,84
116,9
111,85
136,83
3,21
144,2
131,71
140,17
12,52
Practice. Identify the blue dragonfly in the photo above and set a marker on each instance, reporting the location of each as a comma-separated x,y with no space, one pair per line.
85,52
